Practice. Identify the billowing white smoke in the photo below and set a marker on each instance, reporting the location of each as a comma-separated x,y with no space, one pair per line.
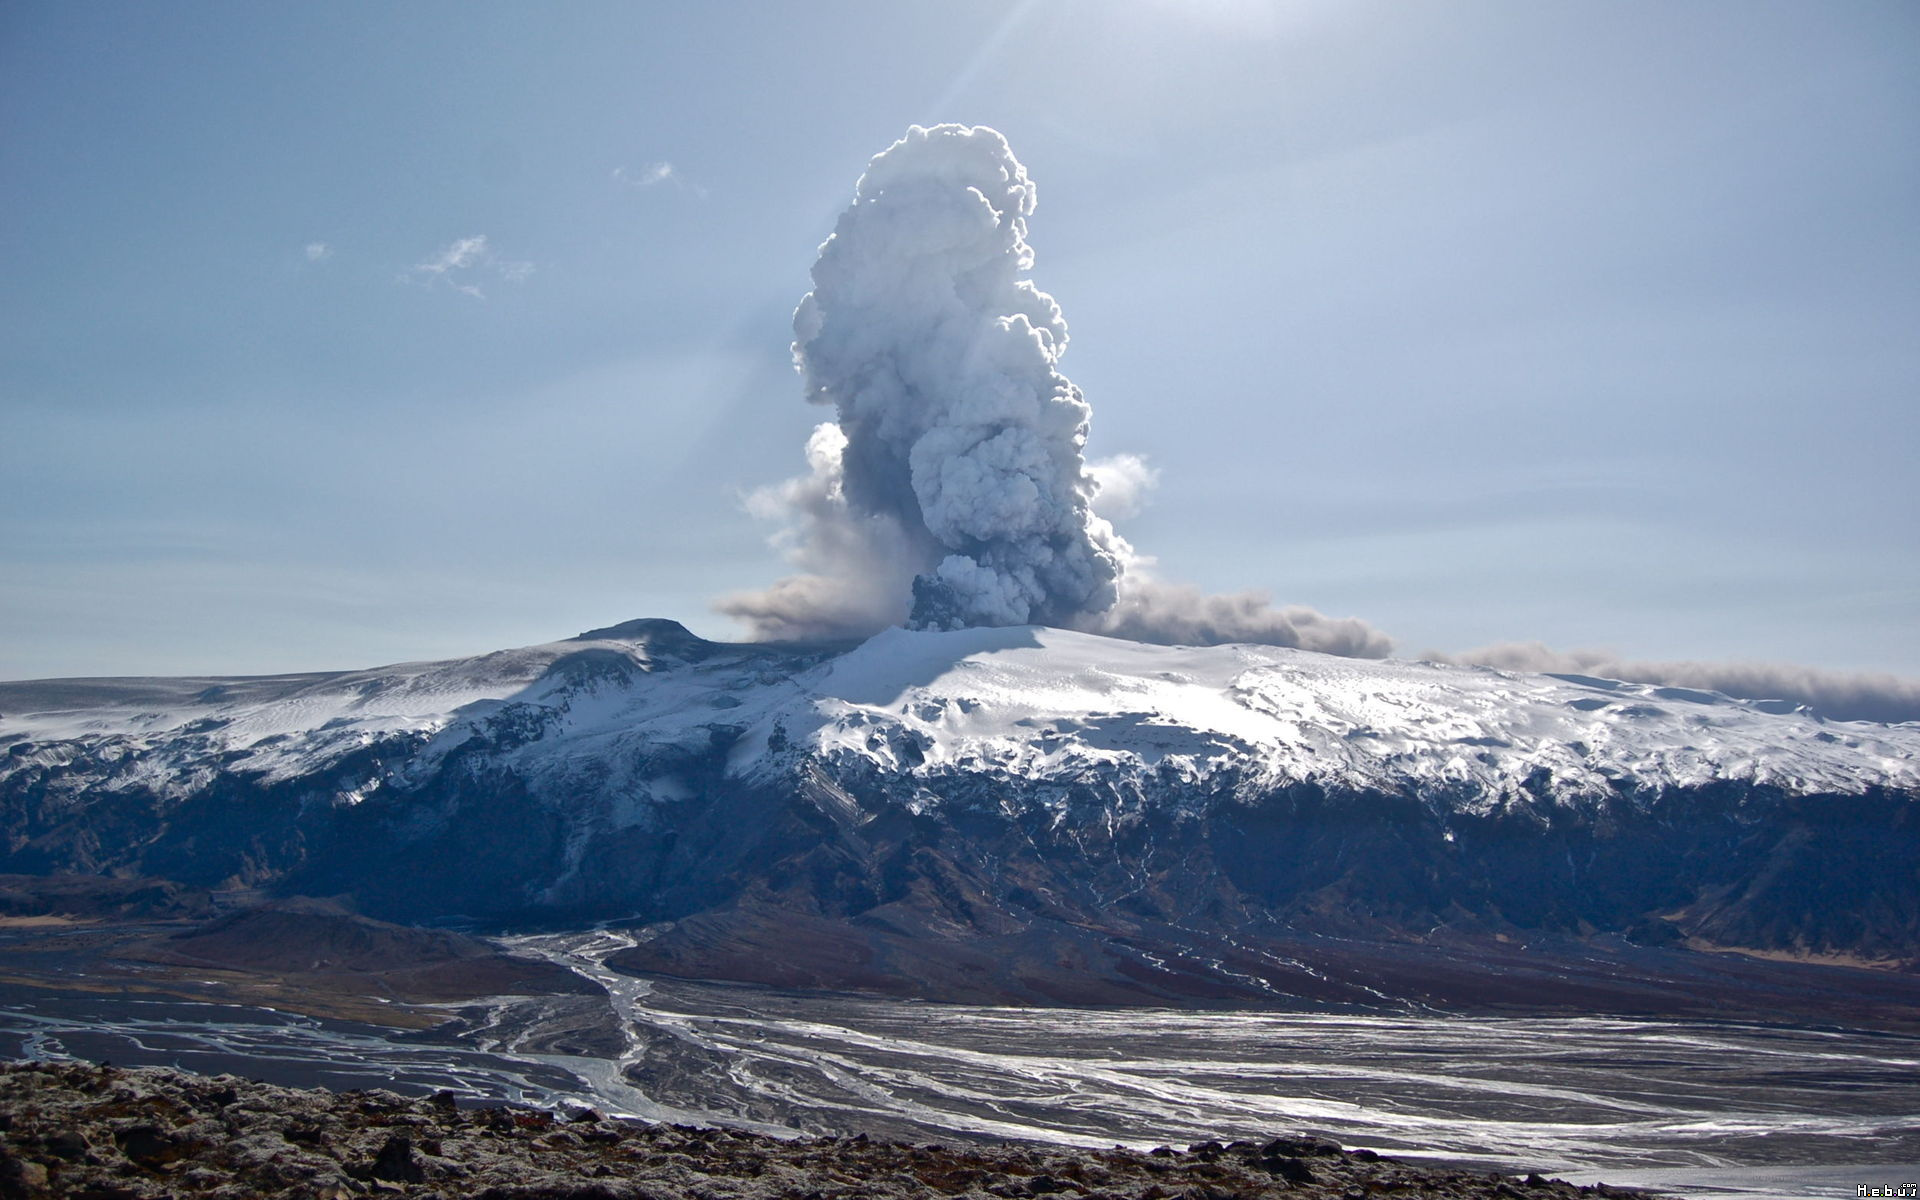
959,443
952,487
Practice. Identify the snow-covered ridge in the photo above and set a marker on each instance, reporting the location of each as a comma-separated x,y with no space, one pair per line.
1028,702
1041,702
289,725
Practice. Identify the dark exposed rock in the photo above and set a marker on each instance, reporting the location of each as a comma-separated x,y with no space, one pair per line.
1292,1170
1300,1147
21,1179
144,1144
68,1144
395,1162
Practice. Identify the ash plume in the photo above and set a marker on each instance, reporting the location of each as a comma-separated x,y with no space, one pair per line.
1150,610
959,442
856,570
952,487
1840,695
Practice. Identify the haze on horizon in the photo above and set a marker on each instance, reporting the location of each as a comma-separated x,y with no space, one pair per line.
339,337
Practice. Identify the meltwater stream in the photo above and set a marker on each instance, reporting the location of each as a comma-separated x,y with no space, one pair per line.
1698,1108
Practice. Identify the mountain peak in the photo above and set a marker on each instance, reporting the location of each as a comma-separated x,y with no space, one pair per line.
642,629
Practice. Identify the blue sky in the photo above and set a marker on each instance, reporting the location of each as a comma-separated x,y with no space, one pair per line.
340,334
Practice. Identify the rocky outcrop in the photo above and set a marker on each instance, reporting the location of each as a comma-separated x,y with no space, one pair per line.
75,1129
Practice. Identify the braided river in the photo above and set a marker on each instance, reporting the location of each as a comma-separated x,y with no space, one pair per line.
1688,1107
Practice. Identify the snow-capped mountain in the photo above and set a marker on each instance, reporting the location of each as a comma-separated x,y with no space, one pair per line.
986,783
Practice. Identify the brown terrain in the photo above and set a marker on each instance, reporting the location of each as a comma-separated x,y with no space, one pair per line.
1123,962
106,1133
142,936
315,957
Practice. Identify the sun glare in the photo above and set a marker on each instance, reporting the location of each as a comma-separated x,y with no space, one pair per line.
1260,18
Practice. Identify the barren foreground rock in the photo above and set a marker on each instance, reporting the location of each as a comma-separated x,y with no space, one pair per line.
79,1130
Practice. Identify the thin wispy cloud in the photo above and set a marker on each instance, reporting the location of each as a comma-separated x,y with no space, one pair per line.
651,175
460,254
655,175
463,263
318,252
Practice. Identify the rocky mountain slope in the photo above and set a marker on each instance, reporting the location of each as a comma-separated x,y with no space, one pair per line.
1052,814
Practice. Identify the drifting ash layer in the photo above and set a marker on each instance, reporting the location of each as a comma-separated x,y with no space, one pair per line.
74,1129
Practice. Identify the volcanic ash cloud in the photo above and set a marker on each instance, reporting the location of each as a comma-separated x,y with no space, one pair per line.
939,358
952,487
